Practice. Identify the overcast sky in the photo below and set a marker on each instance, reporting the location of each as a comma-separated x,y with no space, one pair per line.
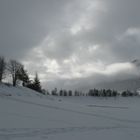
72,43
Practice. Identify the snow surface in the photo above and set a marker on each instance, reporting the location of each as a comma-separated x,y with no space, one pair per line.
27,115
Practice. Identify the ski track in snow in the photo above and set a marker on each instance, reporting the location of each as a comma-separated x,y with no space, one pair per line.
105,106
75,111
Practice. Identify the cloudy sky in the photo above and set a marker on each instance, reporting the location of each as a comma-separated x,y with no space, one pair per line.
72,43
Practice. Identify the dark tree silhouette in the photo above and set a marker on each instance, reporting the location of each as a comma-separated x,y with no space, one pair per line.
2,68
54,91
36,83
23,76
65,93
61,92
70,92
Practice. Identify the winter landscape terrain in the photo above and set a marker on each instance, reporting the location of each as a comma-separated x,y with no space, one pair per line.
69,69
27,115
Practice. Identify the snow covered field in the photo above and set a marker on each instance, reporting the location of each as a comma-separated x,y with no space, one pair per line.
26,115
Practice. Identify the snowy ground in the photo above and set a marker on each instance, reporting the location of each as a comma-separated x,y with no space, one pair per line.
28,116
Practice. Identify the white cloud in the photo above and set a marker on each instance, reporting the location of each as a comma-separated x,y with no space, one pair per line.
117,68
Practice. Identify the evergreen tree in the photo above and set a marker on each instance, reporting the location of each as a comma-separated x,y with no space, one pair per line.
23,76
124,93
96,92
65,93
54,92
104,93
36,84
114,93
70,92
61,92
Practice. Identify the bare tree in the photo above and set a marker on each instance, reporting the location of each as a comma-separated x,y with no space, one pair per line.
2,68
14,67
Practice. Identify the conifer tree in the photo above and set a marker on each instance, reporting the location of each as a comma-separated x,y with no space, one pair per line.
23,76
36,83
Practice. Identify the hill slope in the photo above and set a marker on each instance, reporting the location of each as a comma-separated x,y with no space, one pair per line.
7,89
33,117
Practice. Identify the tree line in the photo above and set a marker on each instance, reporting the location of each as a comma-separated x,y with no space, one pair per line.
16,71
93,92
110,93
